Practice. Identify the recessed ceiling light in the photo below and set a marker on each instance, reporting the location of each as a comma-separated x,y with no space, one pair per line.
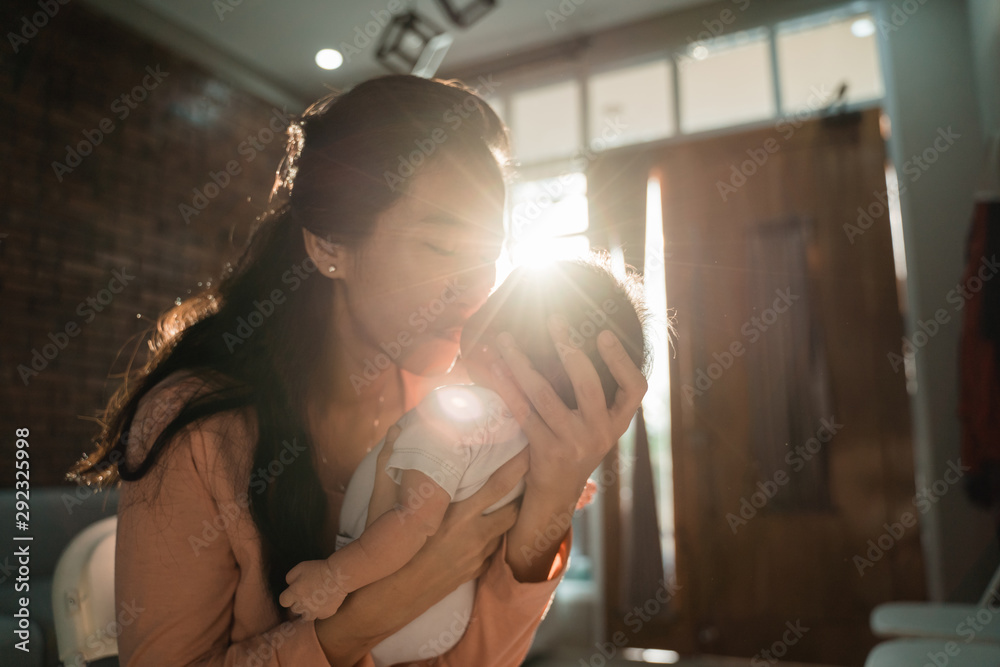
863,28
699,52
329,59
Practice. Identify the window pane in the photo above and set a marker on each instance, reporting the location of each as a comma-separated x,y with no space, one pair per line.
547,218
814,60
631,105
545,122
550,207
726,83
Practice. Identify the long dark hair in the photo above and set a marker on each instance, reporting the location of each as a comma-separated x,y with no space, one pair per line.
346,162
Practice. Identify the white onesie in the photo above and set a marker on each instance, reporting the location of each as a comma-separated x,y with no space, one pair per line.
458,436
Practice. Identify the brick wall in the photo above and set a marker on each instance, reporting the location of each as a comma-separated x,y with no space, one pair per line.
68,229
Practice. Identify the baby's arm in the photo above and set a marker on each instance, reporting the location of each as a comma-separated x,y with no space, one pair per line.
316,589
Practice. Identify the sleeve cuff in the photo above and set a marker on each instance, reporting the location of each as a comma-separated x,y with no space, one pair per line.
442,472
303,647
501,581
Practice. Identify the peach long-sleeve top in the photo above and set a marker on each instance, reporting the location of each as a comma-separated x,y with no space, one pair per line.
189,560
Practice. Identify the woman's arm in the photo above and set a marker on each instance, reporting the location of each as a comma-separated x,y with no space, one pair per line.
177,581
458,551
317,588
566,445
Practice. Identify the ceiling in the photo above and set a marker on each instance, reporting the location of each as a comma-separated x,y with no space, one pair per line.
275,41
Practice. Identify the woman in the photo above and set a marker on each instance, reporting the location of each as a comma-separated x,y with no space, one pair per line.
265,392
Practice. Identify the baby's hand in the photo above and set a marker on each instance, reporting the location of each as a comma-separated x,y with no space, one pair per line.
314,589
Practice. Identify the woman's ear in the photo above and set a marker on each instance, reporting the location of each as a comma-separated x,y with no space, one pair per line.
327,256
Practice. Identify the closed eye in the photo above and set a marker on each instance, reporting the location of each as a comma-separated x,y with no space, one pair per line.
443,251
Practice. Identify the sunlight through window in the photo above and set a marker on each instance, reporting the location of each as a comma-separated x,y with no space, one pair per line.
547,222
656,403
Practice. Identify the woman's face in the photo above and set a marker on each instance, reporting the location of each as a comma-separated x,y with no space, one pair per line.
429,264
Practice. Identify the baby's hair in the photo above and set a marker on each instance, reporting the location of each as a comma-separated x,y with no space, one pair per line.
591,297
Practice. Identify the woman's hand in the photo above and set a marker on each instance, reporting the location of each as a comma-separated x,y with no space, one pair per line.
457,552
566,446
569,444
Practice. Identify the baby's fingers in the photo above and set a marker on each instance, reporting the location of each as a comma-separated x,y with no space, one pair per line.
293,574
288,598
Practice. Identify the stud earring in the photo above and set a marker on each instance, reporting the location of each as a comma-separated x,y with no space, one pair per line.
332,268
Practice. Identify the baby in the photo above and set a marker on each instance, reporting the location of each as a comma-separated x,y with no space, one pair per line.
451,443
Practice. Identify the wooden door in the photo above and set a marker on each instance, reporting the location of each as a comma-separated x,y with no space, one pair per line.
790,422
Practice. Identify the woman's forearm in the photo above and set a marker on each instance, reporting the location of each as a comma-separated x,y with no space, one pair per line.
373,612
543,521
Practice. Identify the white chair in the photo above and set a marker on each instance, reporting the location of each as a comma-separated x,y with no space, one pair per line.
942,620
83,596
914,652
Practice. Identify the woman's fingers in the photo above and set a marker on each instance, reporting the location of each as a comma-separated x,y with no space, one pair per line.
551,409
503,519
498,485
632,384
510,392
586,382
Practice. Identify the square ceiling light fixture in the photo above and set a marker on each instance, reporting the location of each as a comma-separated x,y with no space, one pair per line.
466,13
413,45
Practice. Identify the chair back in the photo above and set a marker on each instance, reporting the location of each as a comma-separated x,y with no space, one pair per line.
83,596
993,588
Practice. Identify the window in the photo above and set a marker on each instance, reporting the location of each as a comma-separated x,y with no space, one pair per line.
726,82
816,57
631,105
545,122
548,221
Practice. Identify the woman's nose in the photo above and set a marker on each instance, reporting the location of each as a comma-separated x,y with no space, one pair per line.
477,282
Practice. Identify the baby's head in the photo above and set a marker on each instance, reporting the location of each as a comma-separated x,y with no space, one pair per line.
585,293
